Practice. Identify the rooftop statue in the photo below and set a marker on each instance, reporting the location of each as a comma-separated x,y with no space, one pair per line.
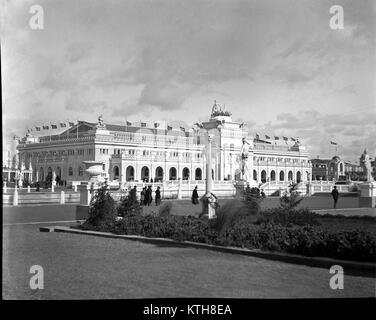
217,110
100,124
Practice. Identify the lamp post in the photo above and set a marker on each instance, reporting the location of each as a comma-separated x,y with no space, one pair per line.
209,199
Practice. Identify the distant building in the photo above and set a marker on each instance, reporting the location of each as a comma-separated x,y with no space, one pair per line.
328,169
338,169
143,152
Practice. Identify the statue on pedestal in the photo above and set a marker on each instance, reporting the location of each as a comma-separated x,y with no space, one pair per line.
244,153
366,165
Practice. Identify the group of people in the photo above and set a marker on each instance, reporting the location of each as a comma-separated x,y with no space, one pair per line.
146,196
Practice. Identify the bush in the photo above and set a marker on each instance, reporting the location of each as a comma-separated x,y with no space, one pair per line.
165,209
102,209
129,205
283,217
291,198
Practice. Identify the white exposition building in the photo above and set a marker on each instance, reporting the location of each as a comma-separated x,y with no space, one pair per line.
149,153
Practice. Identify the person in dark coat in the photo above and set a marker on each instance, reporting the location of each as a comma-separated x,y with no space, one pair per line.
133,194
158,196
143,196
335,195
149,193
38,186
195,196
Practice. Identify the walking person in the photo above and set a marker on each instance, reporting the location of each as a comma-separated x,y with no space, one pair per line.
158,196
335,195
195,196
133,194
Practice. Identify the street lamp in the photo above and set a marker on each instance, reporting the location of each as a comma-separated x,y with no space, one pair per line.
209,199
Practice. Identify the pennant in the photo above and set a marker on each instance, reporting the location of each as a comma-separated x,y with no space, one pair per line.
276,138
156,125
37,128
293,139
46,127
257,136
143,124
169,128
334,143
129,123
285,138
53,126
71,124
63,125
267,137
182,129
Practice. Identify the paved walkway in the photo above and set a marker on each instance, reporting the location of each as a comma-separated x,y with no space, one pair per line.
87,267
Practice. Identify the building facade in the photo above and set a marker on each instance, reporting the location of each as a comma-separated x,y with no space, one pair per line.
150,153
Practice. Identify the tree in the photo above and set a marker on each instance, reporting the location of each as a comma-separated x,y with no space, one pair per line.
291,198
102,208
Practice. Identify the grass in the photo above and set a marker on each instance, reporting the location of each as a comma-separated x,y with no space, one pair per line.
87,267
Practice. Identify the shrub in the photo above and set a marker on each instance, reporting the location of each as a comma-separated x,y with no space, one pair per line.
165,209
102,209
283,217
129,205
290,198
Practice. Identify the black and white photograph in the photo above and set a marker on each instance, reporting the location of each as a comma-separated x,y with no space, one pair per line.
175,152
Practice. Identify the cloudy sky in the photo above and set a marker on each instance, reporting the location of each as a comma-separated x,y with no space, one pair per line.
275,64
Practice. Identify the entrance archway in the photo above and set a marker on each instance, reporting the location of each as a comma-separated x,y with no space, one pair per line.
185,174
198,174
298,177
172,175
263,176
272,175
158,174
129,173
145,174
116,172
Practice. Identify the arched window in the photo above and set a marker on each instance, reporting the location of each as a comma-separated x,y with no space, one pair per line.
41,174
172,174
263,176
290,176
159,174
298,177
70,171
272,175
255,175
129,173
145,174
282,176
185,174
80,171
116,172
198,174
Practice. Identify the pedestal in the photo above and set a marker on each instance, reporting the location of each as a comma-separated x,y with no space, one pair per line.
240,189
367,197
179,191
209,204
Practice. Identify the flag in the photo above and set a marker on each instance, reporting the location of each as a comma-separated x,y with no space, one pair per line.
285,138
46,127
143,124
267,137
293,139
129,123
169,128
63,125
156,125
276,138
37,128
182,129
53,126
257,136
71,124
334,143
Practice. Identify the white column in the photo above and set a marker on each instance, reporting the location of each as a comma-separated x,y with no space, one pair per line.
15,197
62,197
